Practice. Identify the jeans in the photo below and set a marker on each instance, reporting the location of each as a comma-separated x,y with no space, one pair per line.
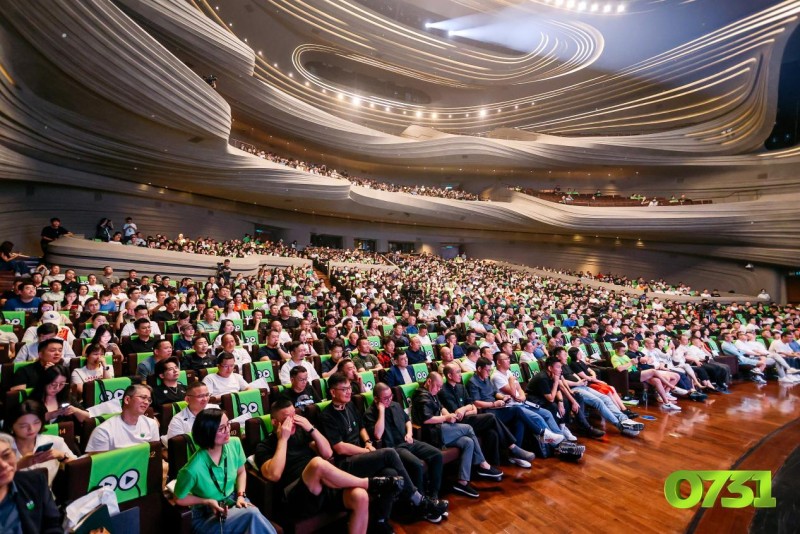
239,521
608,410
493,433
518,419
463,437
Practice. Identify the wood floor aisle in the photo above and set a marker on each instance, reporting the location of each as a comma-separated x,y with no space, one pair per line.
618,486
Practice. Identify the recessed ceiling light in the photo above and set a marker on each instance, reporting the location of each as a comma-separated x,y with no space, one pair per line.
387,108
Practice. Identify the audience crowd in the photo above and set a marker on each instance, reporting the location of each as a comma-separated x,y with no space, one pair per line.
323,170
352,394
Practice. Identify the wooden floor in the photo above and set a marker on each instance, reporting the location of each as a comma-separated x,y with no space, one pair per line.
618,486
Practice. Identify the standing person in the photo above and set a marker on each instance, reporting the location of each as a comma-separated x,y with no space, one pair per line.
26,501
214,481
104,230
129,229
52,232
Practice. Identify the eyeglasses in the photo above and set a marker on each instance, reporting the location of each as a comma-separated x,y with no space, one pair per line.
301,379
57,385
386,398
146,399
224,427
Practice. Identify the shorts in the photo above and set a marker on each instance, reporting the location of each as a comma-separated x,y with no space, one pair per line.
635,376
300,502
605,389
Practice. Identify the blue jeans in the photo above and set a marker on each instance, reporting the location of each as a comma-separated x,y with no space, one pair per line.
544,414
463,437
239,521
608,410
518,419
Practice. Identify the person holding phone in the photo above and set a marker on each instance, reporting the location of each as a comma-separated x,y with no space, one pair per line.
33,449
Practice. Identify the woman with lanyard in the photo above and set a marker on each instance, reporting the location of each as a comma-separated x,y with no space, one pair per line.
213,481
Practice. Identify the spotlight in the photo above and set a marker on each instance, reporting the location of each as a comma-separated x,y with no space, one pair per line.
427,25
387,108
621,8
749,267
356,100
594,8
582,6
451,33
482,113
418,114
607,8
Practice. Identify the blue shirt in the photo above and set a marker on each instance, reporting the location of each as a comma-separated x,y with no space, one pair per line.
481,390
15,304
9,515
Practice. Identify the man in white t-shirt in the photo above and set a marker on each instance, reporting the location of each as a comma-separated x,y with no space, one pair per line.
131,427
225,380
298,351
141,313
197,397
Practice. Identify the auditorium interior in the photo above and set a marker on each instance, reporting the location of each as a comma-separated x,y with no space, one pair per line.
541,142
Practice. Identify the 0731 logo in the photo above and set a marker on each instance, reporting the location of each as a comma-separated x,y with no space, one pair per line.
742,488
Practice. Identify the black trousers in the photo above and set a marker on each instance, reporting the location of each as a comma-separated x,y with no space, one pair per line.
493,433
415,456
383,462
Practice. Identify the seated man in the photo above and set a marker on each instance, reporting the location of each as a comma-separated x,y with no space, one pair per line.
331,366
273,349
400,373
414,351
507,384
169,390
240,354
145,342
605,406
442,428
472,353
486,397
354,453
44,331
169,311
300,393
50,354
201,358
186,339
25,300
298,352
389,425
356,380
747,343
293,457
131,427
162,349
208,323
140,312
196,398
26,502
363,357
224,381
758,364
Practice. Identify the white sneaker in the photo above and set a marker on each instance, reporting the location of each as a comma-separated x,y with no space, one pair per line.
680,391
796,378
551,438
671,406
671,397
519,462
567,434
787,380
793,371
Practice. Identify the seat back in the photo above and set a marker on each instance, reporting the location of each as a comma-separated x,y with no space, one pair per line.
135,360
321,386
466,376
66,431
375,342
420,372
428,350
253,401
7,374
168,411
15,318
363,401
402,393
254,371
99,391
369,379
256,430
250,336
517,372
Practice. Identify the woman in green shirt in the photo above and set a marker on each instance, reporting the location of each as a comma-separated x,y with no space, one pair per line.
213,481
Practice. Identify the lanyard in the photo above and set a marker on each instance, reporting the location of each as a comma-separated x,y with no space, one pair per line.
214,478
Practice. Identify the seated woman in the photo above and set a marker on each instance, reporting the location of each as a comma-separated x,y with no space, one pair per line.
581,367
96,320
229,311
303,337
52,392
10,260
214,481
169,390
26,424
104,336
95,368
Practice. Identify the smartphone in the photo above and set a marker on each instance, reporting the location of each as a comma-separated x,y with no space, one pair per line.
64,405
43,448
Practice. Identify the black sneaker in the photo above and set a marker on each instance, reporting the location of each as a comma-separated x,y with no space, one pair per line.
492,473
432,511
383,486
466,489
697,396
570,451
631,414
381,526
593,432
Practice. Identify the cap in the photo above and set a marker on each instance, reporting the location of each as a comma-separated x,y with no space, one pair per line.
51,317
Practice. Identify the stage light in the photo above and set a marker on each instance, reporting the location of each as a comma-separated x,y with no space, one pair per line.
559,3
594,8
427,25
451,33
434,115
482,113
570,4
582,6
418,114
340,96
607,8
387,108
621,8
356,101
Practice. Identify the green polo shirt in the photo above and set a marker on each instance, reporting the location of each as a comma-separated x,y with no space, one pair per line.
195,477
617,360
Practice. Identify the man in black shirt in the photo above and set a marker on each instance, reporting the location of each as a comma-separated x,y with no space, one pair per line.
287,321
389,424
144,342
50,353
307,482
201,358
170,311
52,232
354,452
300,394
